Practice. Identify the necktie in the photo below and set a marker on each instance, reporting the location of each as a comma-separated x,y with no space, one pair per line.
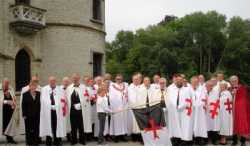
52,99
162,95
178,98
147,100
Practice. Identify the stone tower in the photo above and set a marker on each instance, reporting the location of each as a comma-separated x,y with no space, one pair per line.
51,37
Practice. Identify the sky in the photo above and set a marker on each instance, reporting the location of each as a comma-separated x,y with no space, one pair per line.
135,14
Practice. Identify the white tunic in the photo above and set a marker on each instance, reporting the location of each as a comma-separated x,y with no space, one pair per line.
180,117
200,112
226,113
133,97
118,101
85,105
213,120
45,114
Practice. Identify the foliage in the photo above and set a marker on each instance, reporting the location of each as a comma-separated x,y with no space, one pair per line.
196,43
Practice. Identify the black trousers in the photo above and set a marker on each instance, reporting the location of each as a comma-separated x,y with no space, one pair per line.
235,139
102,119
7,114
56,141
32,130
213,136
176,141
76,122
200,140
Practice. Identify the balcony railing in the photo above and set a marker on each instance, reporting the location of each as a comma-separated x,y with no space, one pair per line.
27,19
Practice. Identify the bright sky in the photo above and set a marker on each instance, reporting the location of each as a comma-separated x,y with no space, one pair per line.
135,14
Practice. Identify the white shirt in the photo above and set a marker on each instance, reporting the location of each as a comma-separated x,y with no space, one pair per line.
102,105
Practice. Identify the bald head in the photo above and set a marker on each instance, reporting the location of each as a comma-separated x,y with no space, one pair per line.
194,81
76,78
52,81
65,82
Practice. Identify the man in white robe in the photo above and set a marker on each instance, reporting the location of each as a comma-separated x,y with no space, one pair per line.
8,112
52,119
156,79
149,97
213,120
118,100
79,110
65,83
133,97
180,113
200,111
202,81
162,93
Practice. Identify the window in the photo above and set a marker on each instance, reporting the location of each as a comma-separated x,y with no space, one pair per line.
97,15
97,64
27,2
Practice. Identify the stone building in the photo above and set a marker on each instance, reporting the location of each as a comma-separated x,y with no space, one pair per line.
51,37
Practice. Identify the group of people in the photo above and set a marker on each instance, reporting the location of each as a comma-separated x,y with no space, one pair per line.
196,111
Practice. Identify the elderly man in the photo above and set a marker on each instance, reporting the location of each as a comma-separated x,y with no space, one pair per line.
241,111
7,111
180,115
52,119
133,97
200,111
79,110
118,100
156,79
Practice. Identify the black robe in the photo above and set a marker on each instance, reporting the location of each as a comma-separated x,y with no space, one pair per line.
7,111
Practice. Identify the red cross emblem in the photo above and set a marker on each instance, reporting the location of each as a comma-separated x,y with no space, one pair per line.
86,93
229,105
64,106
214,110
205,103
189,108
154,128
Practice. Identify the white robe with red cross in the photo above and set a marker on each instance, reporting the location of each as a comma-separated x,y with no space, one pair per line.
200,112
213,119
226,113
180,116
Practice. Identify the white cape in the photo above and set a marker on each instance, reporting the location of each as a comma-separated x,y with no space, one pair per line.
85,105
45,115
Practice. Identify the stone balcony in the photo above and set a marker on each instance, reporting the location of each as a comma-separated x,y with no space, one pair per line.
26,19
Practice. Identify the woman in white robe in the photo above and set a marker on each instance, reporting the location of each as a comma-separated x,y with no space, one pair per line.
11,129
226,113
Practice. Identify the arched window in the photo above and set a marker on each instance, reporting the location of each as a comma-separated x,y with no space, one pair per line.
97,10
22,69
26,2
